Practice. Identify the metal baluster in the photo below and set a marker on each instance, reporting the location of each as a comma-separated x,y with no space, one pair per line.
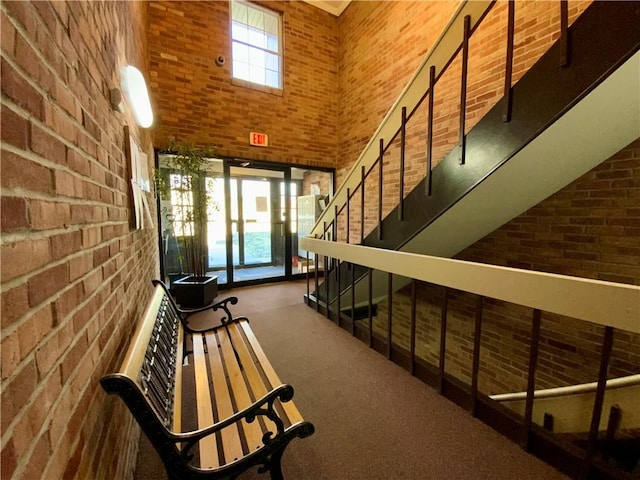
370,307
605,355
363,175
476,356
324,266
326,283
339,290
432,84
443,339
413,326
508,91
564,33
403,129
463,87
390,314
315,276
380,168
335,223
615,415
348,214
531,379
308,279
353,299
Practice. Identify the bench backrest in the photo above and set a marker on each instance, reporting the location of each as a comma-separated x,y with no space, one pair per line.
153,362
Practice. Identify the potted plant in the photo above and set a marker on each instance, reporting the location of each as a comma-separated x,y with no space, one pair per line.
185,174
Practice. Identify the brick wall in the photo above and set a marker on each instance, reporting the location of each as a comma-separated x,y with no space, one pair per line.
374,71
196,100
74,273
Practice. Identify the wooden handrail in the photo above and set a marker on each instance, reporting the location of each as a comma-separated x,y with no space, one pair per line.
604,303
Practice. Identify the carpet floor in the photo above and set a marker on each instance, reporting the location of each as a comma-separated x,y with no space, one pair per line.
373,420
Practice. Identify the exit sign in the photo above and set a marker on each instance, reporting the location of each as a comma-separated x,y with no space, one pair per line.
258,139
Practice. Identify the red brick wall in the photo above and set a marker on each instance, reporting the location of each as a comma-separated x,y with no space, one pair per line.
382,44
197,100
74,273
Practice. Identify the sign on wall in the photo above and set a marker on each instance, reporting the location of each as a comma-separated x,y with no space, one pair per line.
140,183
258,139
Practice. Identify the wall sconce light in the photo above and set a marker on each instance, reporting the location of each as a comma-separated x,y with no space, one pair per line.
135,89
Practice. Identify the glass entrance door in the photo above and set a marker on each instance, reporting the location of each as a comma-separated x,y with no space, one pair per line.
258,230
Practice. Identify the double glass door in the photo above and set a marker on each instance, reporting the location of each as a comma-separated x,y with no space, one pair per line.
252,220
257,224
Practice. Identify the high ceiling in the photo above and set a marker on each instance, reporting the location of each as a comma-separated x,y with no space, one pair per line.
335,7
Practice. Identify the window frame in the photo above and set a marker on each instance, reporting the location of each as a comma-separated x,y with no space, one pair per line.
280,53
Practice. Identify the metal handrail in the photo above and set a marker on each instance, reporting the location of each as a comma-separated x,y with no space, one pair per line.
621,382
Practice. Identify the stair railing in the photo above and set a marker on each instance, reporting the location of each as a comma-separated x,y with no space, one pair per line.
454,39
614,306
462,24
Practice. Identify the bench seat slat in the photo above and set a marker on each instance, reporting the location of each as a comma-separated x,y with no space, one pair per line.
289,408
255,381
252,431
208,447
231,445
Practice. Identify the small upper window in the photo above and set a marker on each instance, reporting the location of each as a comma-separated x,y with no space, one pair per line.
256,43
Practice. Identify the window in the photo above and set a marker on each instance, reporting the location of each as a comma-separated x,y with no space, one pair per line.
256,46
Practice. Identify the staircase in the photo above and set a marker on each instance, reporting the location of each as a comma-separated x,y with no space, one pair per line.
572,110
563,120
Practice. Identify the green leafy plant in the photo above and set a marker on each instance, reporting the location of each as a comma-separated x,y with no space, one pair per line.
183,175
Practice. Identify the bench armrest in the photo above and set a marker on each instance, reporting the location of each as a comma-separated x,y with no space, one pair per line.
221,305
186,313
261,407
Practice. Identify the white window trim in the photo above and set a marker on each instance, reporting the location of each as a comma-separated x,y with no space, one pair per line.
280,53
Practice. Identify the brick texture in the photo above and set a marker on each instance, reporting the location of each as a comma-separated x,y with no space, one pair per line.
204,104
398,35
74,273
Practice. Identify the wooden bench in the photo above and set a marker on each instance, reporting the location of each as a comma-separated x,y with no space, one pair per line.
245,416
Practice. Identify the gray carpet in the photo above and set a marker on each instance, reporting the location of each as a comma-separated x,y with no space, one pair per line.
373,420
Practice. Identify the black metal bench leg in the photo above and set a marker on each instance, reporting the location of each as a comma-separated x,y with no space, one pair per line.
275,465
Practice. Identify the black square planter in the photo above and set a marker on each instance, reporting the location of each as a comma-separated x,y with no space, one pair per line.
195,292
